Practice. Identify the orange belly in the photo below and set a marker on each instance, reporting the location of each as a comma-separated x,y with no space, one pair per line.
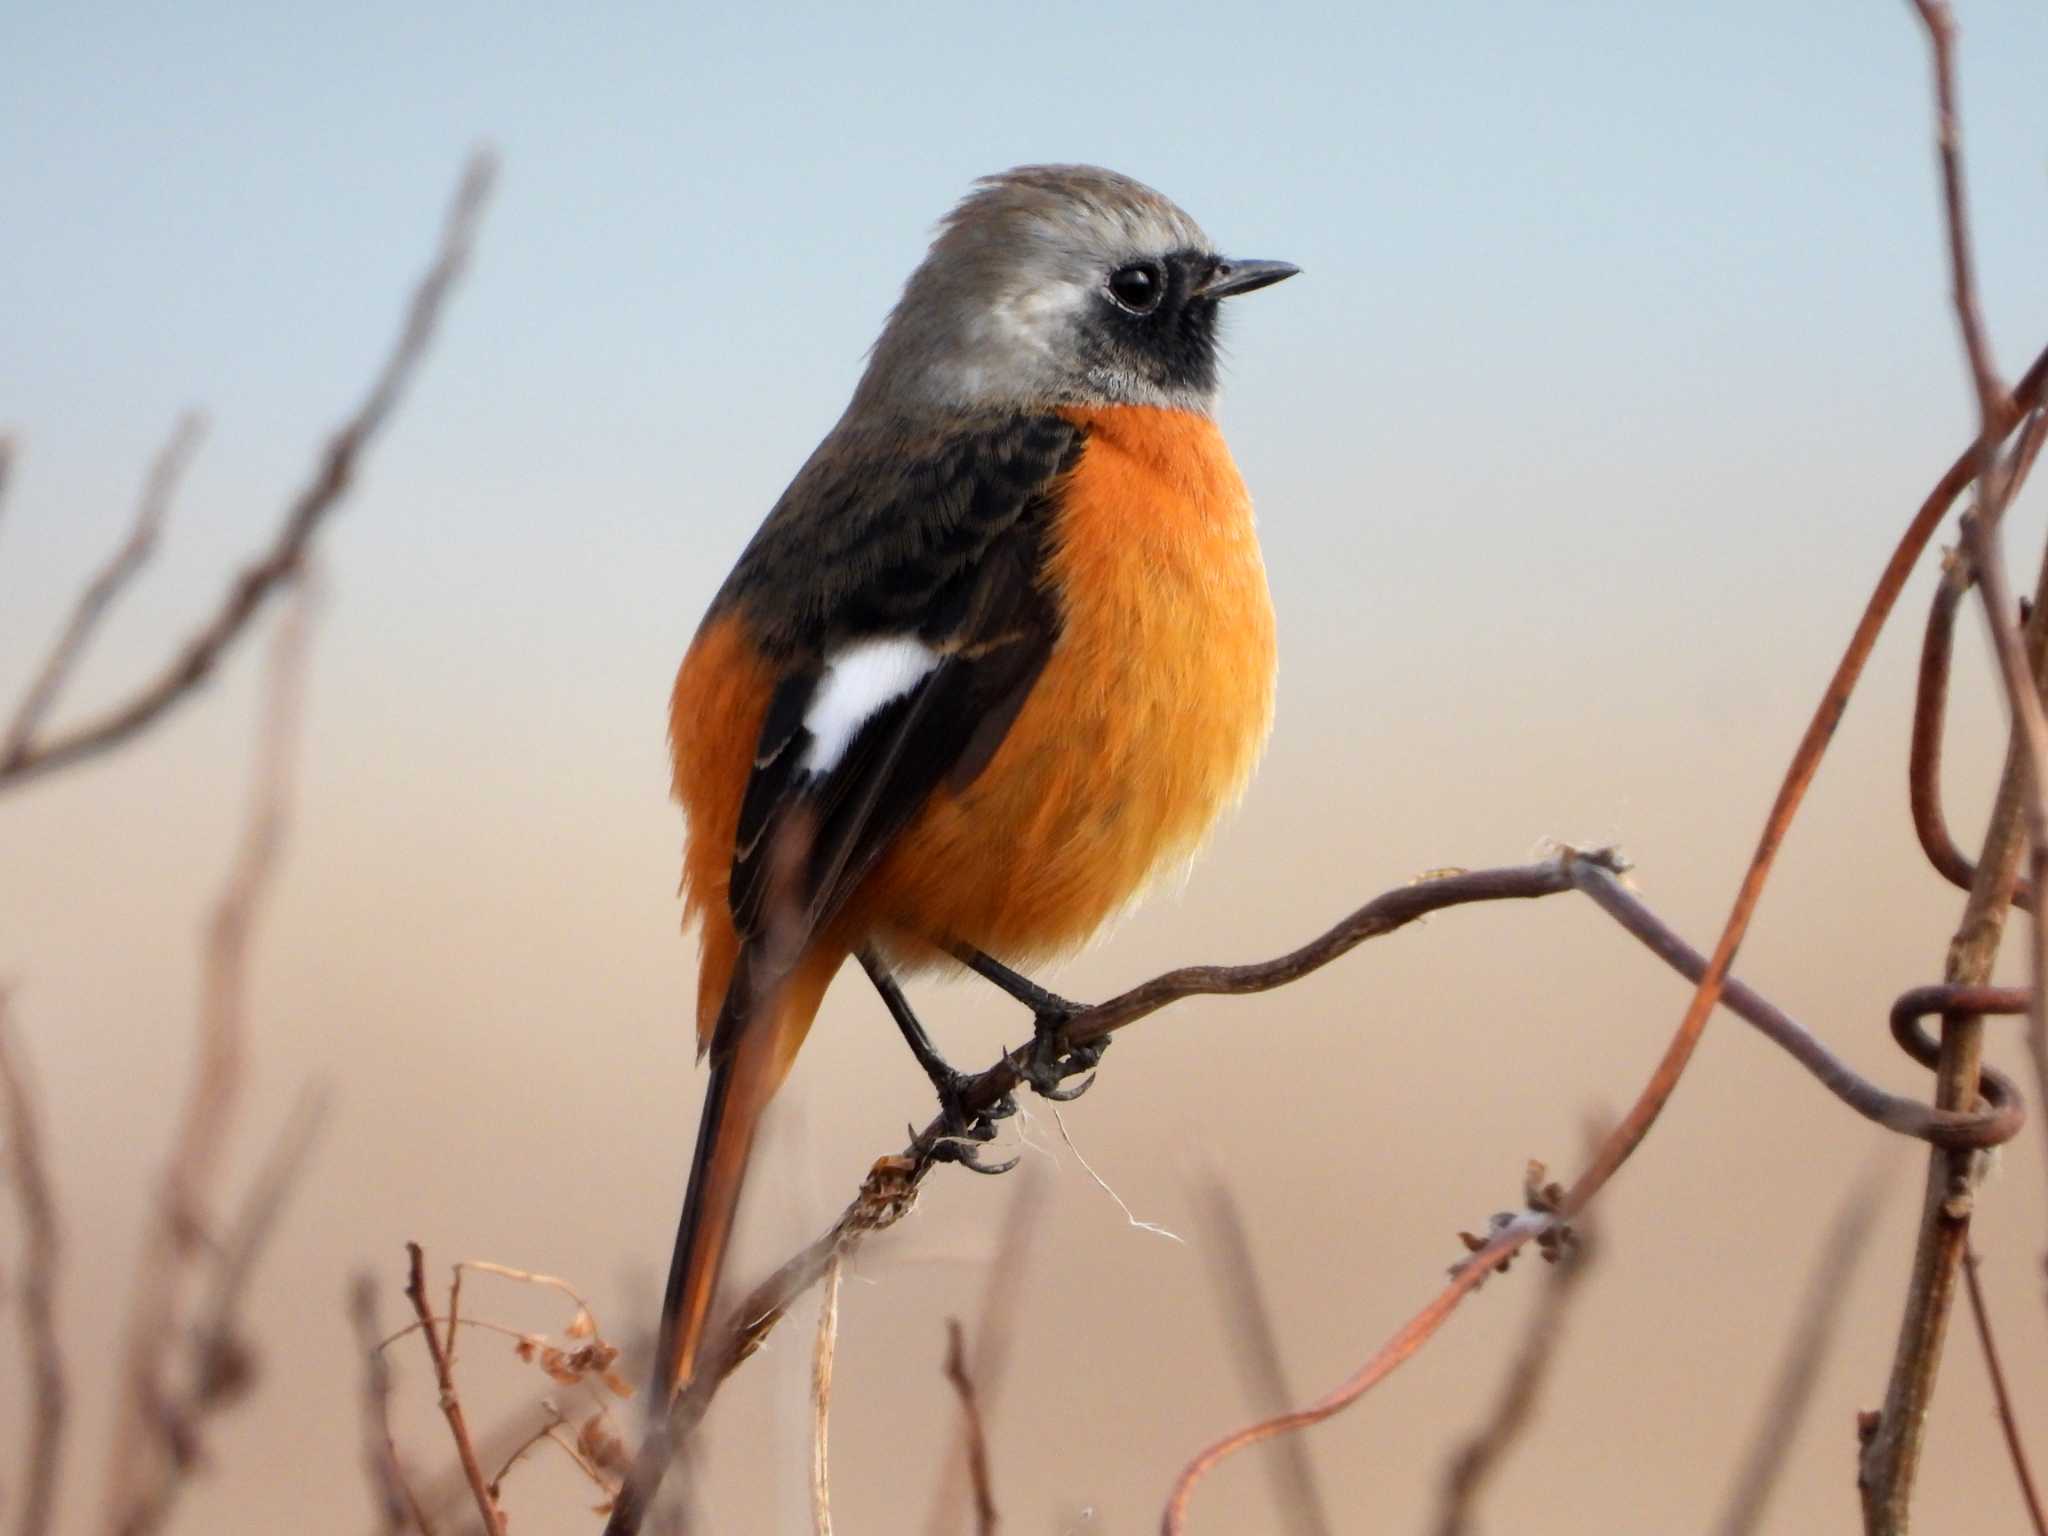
1143,727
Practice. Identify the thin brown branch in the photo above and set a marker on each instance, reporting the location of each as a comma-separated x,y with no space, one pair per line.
977,1433
1476,1460
451,1402
1792,1393
823,1348
398,1507
1255,1342
2015,1443
6,467
1891,1449
42,1242
1713,978
1939,19
154,1441
282,561
1798,778
1891,1452
104,589
893,1181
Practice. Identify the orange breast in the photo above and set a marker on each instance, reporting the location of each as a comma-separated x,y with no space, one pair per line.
1144,725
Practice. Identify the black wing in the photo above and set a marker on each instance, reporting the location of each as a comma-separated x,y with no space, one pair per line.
891,532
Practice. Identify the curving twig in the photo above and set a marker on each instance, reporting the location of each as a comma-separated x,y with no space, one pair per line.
1466,1277
31,755
1930,699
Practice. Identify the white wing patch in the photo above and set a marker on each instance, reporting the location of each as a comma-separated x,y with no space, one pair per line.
860,681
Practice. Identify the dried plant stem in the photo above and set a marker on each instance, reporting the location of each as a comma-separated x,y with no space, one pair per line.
823,1348
48,1397
451,1402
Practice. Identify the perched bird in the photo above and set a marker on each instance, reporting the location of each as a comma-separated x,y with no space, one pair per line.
1001,652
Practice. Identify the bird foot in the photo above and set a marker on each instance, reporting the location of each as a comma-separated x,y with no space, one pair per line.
961,1132
1049,1066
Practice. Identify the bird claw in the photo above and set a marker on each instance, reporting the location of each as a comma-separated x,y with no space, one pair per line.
1048,1067
962,1147
962,1133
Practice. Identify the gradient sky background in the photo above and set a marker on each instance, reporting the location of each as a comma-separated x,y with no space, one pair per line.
1623,349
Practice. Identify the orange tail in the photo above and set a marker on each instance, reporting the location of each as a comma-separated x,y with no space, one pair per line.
755,1040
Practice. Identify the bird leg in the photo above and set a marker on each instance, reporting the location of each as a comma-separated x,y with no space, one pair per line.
1051,1064
964,1131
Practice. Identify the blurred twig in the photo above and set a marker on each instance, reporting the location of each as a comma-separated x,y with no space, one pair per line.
1515,1407
29,756
994,1332
2015,1444
398,1508
1248,1316
48,1396
102,590
977,1432
156,1427
1791,1394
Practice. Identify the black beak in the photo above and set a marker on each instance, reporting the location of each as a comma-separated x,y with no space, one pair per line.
1230,278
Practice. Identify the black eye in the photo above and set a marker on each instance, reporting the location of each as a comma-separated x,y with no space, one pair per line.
1138,287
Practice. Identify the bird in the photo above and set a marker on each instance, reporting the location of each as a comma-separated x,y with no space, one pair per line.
995,661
